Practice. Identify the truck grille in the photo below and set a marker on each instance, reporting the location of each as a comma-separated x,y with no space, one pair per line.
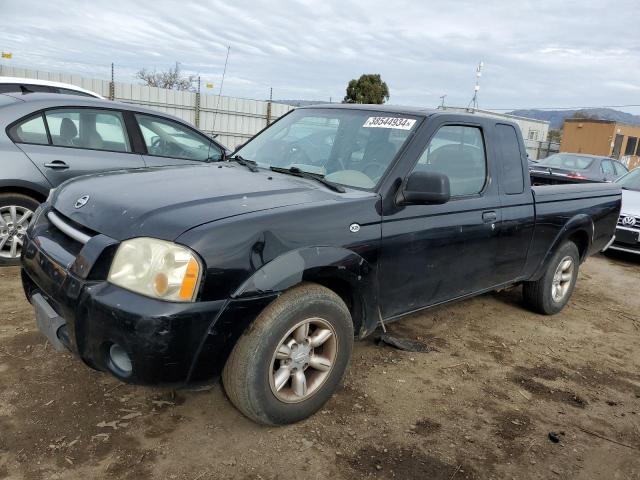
68,228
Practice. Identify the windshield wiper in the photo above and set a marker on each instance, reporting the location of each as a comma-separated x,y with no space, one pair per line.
313,176
250,164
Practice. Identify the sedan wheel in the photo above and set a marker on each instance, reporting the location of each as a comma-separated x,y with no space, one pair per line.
14,221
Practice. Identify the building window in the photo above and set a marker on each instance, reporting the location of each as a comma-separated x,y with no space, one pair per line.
533,134
631,145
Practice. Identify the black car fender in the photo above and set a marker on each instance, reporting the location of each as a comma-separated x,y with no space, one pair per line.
579,229
339,269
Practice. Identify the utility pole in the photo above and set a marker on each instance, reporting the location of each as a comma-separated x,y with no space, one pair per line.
442,97
476,89
112,84
269,106
198,104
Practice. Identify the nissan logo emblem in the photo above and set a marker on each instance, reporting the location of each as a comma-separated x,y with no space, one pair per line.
82,201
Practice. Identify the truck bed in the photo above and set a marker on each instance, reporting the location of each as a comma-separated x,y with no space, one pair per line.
560,207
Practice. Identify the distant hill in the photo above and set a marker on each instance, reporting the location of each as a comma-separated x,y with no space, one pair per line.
557,117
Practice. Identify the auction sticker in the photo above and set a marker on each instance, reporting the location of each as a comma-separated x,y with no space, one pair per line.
389,122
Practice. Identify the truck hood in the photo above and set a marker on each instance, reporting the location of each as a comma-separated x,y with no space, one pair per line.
165,202
631,202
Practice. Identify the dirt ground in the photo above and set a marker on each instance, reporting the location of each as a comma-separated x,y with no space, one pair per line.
480,407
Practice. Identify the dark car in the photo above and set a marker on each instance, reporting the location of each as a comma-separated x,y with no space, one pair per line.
264,268
46,139
575,168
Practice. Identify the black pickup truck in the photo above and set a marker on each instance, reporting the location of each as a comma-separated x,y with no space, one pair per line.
265,266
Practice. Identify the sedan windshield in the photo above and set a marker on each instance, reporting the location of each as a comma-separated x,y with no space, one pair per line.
347,147
631,181
562,160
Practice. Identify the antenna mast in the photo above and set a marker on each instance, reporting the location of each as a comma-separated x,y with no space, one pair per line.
474,101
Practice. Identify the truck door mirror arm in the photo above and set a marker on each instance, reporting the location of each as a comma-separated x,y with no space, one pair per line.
422,188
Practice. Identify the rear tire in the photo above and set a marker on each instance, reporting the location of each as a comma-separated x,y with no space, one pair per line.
263,376
552,291
16,211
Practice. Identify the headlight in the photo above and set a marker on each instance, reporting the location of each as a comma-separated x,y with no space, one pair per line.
157,269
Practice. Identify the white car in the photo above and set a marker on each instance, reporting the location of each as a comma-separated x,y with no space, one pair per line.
29,85
627,237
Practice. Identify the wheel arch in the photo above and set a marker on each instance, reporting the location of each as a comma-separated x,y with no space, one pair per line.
24,188
579,230
341,270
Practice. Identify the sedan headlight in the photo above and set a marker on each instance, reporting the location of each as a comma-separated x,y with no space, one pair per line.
156,268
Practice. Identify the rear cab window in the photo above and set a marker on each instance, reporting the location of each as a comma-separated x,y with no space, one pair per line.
508,148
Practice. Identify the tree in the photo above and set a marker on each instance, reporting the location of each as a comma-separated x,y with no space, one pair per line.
171,79
554,135
369,88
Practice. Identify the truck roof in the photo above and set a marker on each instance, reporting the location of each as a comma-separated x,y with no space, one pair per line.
420,111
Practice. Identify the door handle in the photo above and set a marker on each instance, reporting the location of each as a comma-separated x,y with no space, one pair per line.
57,165
489,217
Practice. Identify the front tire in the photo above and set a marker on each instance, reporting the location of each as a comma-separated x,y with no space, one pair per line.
16,211
292,357
552,291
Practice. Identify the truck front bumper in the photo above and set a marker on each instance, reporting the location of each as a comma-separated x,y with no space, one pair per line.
166,343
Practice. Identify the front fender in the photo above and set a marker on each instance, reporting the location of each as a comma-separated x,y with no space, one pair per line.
325,265
579,224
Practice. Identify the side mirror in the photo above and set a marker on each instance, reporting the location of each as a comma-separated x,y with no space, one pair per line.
423,188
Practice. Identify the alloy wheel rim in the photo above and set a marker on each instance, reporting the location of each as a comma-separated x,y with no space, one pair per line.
14,221
562,279
303,360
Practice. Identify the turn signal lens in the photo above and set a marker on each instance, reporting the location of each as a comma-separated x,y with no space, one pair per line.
156,268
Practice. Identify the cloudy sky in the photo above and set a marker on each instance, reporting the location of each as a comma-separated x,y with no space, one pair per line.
536,53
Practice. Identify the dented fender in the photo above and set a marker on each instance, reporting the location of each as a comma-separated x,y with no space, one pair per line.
324,265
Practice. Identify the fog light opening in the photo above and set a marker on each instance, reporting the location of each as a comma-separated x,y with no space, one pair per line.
119,361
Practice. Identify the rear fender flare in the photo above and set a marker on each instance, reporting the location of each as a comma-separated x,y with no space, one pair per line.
577,224
323,265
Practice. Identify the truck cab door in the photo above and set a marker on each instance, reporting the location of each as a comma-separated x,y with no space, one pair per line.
434,253
517,204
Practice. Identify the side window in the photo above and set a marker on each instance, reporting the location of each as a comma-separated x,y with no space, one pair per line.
68,91
631,145
9,88
620,168
35,88
88,128
458,152
607,167
31,130
165,138
510,159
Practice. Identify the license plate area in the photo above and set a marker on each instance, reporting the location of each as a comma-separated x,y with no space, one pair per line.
627,236
48,321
